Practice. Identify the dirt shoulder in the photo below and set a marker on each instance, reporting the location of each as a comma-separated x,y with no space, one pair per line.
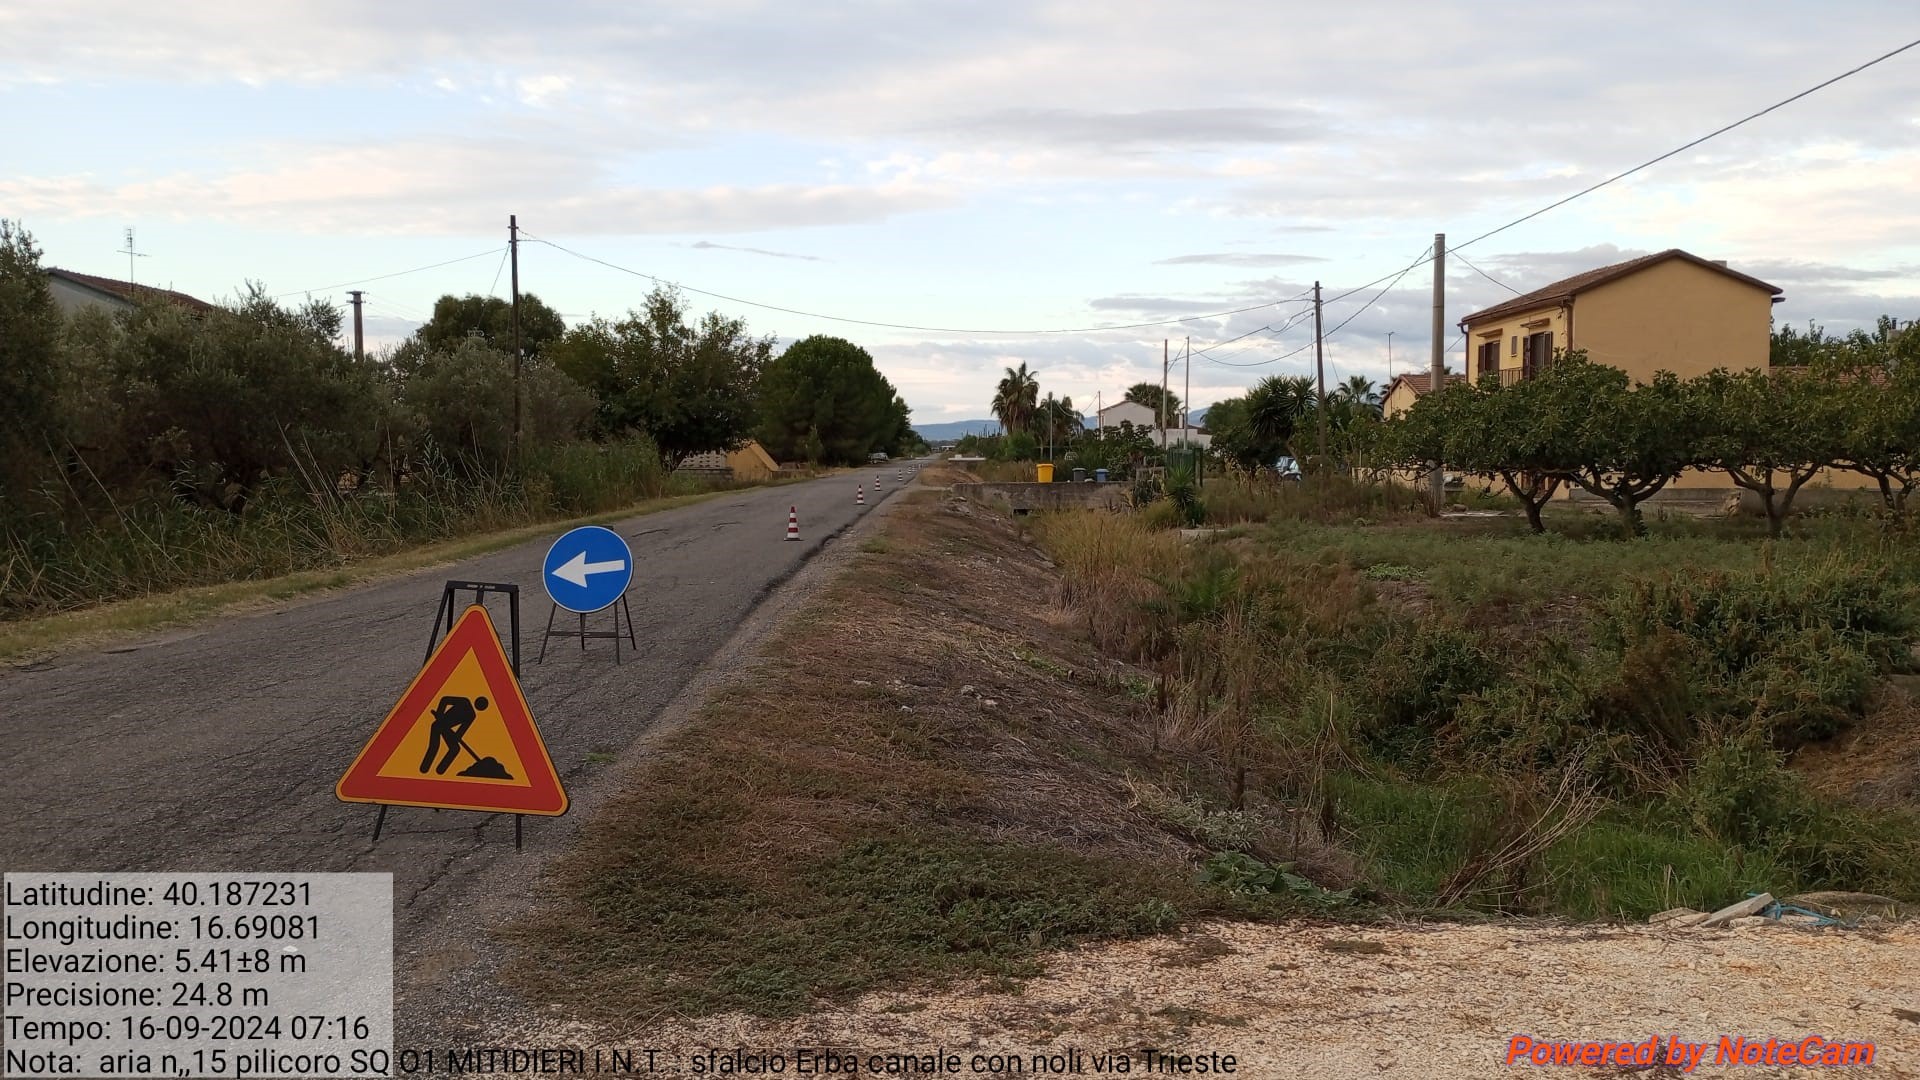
1404,1000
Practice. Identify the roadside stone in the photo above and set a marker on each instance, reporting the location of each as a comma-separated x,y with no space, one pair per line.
1749,922
1670,915
1851,905
1744,908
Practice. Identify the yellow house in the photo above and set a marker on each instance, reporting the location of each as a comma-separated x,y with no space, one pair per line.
1404,390
1669,311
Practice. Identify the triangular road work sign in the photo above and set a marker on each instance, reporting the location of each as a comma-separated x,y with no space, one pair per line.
462,737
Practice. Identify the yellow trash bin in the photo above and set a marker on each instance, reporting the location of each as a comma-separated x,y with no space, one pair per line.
1046,472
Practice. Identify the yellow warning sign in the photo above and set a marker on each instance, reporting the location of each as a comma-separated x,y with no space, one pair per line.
462,737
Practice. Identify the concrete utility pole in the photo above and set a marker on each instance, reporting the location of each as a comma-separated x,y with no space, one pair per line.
1437,373
1160,414
513,250
1390,356
1186,401
359,339
1320,374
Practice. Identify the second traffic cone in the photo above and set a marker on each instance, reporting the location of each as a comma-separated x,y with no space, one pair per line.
793,523
860,495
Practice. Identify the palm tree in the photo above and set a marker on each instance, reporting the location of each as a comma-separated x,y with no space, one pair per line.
1278,406
1165,405
1058,421
1360,390
1015,400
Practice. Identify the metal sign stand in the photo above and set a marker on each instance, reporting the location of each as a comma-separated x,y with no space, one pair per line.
444,615
618,608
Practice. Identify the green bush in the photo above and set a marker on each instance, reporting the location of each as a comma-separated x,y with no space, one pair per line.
1418,682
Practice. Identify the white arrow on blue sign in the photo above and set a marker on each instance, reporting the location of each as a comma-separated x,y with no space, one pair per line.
588,568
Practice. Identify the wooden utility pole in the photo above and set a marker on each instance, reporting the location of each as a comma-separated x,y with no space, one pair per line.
359,338
1186,401
1320,374
1437,373
513,253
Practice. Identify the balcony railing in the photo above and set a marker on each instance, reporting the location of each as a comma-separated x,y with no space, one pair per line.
1506,376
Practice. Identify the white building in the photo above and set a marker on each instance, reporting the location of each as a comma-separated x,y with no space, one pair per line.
1141,416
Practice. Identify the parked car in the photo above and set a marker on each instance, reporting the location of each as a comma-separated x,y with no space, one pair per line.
876,457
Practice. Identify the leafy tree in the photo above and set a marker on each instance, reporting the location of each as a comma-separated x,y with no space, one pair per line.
1115,449
30,328
1765,430
1484,429
1016,399
690,388
1234,439
1164,403
1880,401
456,318
1792,348
219,402
1619,442
824,400
461,400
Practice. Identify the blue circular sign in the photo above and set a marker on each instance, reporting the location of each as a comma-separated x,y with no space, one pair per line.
587,569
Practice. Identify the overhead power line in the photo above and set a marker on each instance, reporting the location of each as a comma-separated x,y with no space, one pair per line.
383,277
1456,254
1683,148
1376,296
898,326
1782,103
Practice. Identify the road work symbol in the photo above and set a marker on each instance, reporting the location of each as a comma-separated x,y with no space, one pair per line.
464,707
587,569
451,719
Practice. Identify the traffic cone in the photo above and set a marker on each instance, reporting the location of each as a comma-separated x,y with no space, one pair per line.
898,476
860,495
876,487
793,523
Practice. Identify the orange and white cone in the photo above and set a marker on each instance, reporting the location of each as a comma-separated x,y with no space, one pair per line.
876,486
898,476
793,523
860,495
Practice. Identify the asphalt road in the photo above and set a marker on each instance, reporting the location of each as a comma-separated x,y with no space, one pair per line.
217,747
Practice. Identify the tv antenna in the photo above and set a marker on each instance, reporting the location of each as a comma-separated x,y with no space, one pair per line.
131,255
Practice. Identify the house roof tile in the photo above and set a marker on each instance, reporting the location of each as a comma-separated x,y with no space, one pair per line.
1420,383
131,292
1567,287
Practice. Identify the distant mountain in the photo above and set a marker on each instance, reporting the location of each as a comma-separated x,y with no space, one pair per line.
1198,417
955,429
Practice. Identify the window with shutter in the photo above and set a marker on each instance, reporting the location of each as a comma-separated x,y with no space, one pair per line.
1489,360
1539,353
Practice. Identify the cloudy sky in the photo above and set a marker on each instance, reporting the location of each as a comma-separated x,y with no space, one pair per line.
970,166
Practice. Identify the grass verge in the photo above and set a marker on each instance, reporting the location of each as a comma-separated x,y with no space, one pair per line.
24,640
929,776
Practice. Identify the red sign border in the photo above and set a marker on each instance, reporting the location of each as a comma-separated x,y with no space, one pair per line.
474,632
